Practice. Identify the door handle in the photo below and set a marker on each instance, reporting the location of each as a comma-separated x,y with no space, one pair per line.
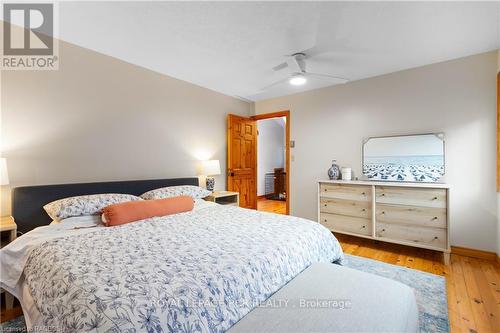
231,174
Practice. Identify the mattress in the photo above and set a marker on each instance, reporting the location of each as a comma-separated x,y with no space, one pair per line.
197,271
333,298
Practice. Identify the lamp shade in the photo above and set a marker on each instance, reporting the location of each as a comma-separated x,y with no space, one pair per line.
210,168
4,174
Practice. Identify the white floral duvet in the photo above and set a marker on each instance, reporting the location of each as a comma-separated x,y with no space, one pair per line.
200,271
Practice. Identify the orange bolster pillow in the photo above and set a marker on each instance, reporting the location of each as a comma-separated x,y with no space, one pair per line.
131,211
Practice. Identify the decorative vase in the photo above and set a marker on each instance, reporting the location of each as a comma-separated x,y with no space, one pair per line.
334,171
210,183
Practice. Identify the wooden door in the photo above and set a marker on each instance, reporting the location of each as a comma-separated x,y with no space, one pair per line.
242,159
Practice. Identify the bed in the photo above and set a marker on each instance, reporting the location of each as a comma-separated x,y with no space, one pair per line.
200,271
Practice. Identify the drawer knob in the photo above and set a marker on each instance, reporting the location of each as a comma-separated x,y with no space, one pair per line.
363,193
363,210
383,230
435,198
436,237
325,205
382,213
363,227
382,195
325,220
326,190
435,218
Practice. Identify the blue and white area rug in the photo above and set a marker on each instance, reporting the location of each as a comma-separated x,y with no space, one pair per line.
430,291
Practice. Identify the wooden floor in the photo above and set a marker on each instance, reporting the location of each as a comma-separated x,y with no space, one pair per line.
472,285
273,206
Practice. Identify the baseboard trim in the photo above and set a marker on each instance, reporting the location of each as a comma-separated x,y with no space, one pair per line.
474,253
261,196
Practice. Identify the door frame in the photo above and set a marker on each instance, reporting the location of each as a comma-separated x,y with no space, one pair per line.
498,132
279,114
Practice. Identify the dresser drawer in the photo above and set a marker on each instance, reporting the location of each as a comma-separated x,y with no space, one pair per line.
346,207
349,224
346,192
411,215
421,197
435,237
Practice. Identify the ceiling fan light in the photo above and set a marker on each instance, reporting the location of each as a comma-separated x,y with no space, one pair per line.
297,80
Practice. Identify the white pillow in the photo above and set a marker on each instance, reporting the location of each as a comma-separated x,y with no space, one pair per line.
194,192
84,221
201,204
85,205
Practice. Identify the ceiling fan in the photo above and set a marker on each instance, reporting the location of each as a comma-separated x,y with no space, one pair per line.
298,74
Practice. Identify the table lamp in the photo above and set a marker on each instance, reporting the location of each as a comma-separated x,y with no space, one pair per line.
4,174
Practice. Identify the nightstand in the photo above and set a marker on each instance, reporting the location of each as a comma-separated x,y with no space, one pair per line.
7,224
224,198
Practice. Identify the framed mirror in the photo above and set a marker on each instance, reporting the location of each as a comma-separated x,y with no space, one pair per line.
405,158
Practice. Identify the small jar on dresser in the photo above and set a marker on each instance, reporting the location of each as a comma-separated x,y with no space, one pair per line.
414,214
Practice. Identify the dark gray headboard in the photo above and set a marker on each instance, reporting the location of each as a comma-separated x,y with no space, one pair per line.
28,201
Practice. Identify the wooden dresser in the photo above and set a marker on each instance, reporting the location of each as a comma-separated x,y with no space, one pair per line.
414,214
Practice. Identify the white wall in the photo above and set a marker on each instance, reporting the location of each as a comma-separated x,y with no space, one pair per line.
498,195
99,119
270,149
455,97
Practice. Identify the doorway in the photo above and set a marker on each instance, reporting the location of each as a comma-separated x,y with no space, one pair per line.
242,163
273,162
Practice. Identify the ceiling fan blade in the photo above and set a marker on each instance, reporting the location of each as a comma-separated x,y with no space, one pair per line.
333,35
294,65
332,77
280,66
303,32
274,84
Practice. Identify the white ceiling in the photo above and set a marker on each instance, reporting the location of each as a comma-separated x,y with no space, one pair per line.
231,47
